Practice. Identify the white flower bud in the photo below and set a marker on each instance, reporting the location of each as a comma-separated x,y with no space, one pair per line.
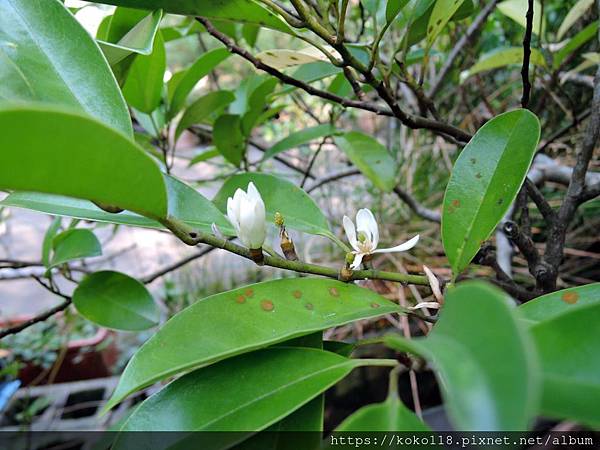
246,212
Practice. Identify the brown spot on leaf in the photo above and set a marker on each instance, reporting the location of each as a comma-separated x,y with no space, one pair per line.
240,299
477,175
500,201
334,292
267,305
456,203
570,297
309,306
473,160
297,294
375,305
249,292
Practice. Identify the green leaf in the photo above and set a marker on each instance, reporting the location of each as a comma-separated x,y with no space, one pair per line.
371,158
484,182
38,64
568,347
265,314
236,11
556,303
298,209
517,11
299,138
258,103
442,12
581,38
484,360
137,39
144,84
185,204
196,402
417,18
115,300
502,58
203,108
77,156
250,34
73,244
228,138
391,415
393,8
205,155
574,14
52,230
283,58
191,76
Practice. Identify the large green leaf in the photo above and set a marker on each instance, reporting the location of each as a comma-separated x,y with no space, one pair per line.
185,204
298,138
38,64
264,313
244,11
503,58
115,300
144,84
298,209
517,11
581,38
56,151
184,85
74,244
484,359
568,347
484,182
371,158
243,394
137,39
228,138
556,303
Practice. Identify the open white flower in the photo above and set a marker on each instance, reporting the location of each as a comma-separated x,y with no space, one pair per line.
246,212
365,236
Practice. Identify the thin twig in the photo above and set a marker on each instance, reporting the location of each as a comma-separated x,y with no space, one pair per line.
527,55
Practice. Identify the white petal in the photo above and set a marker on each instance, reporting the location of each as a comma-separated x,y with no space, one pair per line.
365,222
233,213
253,193
434,283
400,248
357,261
350,231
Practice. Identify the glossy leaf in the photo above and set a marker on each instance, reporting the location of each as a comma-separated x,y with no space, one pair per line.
298,209
258,104
73,244
244,11
144,84
205,155
568,347
299,138
139,39
265,314
393,8
228,138
265,386
38,64
442,12
52,231
517,11
282,58
61,152
495,385
203,108
574,14
484,182
503,58
552,305
191,76
115,300
185,204
371,158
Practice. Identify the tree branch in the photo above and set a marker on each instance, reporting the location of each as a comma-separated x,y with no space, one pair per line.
527,55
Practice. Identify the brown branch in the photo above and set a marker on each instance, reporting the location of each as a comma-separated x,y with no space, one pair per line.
527,55
333,177
418,209
414,122
540,201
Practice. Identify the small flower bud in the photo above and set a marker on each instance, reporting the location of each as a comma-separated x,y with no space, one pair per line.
349,258
279,221
287,246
